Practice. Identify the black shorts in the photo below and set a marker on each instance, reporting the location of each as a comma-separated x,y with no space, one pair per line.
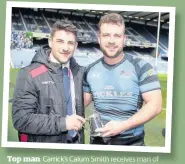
119,140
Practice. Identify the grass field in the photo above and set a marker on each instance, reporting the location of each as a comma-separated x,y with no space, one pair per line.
153,128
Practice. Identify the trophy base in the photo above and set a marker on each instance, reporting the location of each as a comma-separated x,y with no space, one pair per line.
95,134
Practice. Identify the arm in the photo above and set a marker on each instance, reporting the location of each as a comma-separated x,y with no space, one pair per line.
151,94
87,90
152,107
25,117
87,99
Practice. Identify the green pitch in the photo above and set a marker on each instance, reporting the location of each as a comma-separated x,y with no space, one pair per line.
153,128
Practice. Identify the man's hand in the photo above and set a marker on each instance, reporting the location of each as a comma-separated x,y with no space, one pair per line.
112,128
74,122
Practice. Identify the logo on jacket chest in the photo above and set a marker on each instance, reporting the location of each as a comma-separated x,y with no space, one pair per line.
47,82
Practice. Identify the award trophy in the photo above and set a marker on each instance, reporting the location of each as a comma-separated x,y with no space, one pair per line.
95,122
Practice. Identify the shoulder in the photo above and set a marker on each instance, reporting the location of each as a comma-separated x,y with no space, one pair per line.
93,65
89,67
81,68
134,60
75,66
33,70
138,63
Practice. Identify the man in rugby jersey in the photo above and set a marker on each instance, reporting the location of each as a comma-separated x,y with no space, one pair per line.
125,89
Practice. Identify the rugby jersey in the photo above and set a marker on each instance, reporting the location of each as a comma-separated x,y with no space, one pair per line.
117,89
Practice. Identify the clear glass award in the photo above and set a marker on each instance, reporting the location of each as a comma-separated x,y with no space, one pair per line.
95,122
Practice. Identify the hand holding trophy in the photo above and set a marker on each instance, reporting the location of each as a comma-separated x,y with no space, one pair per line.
96,122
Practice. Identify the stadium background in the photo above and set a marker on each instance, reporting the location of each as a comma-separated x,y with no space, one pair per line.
31,27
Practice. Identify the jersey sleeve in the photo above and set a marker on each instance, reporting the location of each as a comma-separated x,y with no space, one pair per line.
86,86
148,79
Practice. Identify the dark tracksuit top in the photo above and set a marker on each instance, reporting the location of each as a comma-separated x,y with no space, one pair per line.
39,105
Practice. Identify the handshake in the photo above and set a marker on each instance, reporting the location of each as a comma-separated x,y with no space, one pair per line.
74,122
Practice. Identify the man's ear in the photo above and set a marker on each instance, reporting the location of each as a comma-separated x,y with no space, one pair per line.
76,45
125,39
50,42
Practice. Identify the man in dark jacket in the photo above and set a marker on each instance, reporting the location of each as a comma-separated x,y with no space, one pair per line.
45,108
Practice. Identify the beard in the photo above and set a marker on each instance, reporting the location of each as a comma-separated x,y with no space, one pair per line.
116,54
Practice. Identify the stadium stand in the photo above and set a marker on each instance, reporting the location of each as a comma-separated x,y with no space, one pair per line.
17,23
140,32
40,21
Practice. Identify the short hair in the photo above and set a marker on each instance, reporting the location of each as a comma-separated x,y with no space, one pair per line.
111,18
63,25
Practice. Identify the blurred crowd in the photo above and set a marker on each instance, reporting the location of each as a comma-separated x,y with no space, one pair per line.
20,39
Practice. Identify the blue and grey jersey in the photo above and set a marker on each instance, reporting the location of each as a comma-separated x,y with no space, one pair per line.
117,89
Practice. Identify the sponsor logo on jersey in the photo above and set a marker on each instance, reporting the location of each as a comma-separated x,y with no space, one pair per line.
113,94
125,74
150,72
109,87
96,74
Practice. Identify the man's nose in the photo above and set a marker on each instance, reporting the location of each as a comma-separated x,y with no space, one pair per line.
111,41
65,47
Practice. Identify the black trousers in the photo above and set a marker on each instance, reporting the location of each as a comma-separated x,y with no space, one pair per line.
119,140
74,140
